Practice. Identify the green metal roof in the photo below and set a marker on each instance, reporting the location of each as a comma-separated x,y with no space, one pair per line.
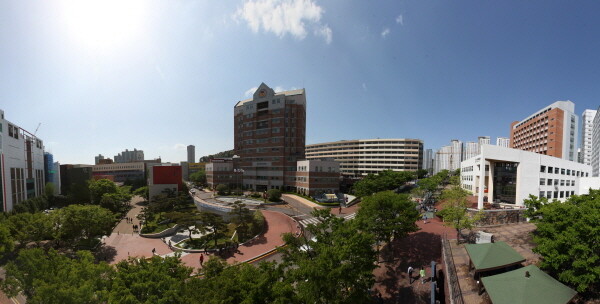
492,255
514,287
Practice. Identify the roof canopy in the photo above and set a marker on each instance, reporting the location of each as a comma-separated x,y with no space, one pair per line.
515,287
492,256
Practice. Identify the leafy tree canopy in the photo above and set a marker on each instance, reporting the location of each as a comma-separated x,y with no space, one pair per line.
387,214
82,222
99,188
455,210
383,181
568,239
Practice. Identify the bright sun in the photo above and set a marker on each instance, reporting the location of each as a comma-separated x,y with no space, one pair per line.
103,24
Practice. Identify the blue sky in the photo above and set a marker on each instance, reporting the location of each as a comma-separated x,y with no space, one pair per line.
159,75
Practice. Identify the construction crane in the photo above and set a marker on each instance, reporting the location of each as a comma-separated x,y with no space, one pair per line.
36,129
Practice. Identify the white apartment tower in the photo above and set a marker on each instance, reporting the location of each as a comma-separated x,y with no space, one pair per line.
503,142
587,127
449,157
130,156
471,149
595,155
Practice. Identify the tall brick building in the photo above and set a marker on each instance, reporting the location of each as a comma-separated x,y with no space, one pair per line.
269,134
549,131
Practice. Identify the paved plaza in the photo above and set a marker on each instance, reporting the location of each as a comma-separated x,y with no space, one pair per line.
517,236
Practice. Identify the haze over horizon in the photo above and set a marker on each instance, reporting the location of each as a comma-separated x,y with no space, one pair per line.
105,76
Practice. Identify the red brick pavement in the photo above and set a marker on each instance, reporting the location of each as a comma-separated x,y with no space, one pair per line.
133,245
276,224
416,250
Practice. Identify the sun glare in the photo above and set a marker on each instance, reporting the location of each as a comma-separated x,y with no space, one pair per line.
103,24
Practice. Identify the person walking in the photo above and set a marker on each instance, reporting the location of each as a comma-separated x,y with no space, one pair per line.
201,259
422,274
410,272
340,210
153,251
424,218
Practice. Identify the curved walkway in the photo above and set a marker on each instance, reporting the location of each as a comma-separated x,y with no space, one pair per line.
129,244
275,225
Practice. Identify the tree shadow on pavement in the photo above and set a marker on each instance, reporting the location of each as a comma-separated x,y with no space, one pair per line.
416,250
105,253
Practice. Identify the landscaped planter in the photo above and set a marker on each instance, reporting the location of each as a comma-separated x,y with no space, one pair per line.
166,232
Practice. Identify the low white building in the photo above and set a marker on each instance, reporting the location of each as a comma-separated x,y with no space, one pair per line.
511,175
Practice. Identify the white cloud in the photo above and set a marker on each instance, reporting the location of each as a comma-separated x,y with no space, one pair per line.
386,31
281,89
400,19
283,17
325,32
250,91
179,147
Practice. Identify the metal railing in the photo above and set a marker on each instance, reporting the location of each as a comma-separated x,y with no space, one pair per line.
451,276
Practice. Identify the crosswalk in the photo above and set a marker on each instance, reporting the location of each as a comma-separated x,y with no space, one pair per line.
316,221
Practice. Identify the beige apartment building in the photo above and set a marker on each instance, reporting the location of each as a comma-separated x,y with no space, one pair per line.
363,156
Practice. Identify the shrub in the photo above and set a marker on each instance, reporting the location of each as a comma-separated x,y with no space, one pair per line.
222,189
258,222
274,195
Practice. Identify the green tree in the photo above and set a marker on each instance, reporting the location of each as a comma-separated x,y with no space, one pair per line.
154,280
383,181
242,217
533,204
455,212
568,239
32,205
387,214
215,223
77,223
142,191
30,227
274,195
455,180
99,188
198,177
336,268
429,184
52,278
49,190
7,243
222,189
188,220
243,283
421,173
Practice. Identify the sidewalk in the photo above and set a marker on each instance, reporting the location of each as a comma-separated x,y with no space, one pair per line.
301,200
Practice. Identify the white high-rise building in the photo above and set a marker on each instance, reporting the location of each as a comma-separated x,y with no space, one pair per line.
595,156
471,149
449,157
587,127
428,163
483,140
503,142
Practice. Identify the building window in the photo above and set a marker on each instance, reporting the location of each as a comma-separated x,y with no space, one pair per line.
562,182
562,194
549,194
562,171
550,169
542,182
555,170
541,194
549,182
543,169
